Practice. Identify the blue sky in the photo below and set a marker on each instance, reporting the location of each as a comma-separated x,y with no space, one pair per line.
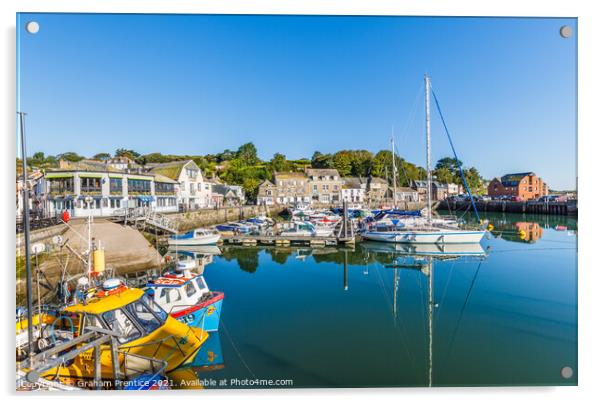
196,84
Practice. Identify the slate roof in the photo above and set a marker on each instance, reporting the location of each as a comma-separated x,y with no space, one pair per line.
321,172
162,178
423,184
512,180
293,175
173,169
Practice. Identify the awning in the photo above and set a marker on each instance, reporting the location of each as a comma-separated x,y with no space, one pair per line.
146,198
115,176
92,196
137,177
58,175
90,175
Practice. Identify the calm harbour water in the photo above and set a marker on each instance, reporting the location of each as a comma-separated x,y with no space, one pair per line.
360,318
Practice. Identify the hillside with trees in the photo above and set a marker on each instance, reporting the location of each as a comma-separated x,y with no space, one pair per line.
244,167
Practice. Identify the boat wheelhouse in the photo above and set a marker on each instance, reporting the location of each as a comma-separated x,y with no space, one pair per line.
186,297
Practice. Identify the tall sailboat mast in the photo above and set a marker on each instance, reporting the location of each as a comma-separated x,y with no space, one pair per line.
429,178
394,168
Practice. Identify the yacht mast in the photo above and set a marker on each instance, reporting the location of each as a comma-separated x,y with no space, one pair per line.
394,168
429,178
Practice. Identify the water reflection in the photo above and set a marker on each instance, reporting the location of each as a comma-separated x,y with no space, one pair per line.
379,314
209,358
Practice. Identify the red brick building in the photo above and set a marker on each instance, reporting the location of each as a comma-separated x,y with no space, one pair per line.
523,185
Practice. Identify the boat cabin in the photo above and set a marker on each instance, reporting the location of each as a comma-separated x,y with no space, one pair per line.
174,292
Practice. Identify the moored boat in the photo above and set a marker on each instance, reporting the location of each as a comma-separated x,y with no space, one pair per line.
186,297
195,237
414,228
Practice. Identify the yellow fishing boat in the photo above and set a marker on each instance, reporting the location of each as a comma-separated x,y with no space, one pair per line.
138,326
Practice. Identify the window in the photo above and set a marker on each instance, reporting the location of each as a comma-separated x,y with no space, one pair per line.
315,188
336,187
200,187
61,185
324,187
200,282
190,290
191,172
91,320
139,186
115,185
164,188
143,315
170,295
119,322
90,184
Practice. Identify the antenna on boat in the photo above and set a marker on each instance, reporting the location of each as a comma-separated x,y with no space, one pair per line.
25,189
429,178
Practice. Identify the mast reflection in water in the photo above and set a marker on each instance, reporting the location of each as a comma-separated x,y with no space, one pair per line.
503,313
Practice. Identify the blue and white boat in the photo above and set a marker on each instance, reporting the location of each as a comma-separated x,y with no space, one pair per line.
195,237
235,227
186,297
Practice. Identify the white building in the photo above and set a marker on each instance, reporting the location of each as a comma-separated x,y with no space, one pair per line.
354,190
105,193
193,192
404,194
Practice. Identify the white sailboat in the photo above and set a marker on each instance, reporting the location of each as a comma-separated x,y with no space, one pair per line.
424,230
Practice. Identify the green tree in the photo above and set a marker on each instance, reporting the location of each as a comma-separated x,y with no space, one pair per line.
280,163
70,156
251,187
131,154
450,164
342,161
319,160
443,174
102,156
474,180
247,154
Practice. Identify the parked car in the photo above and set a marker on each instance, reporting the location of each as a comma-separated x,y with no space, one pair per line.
516,199
485,198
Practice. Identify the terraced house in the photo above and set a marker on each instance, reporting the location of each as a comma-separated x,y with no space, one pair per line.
286,188
325,185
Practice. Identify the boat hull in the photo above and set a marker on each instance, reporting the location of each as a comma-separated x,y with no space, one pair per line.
205,315
209,239
426,237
